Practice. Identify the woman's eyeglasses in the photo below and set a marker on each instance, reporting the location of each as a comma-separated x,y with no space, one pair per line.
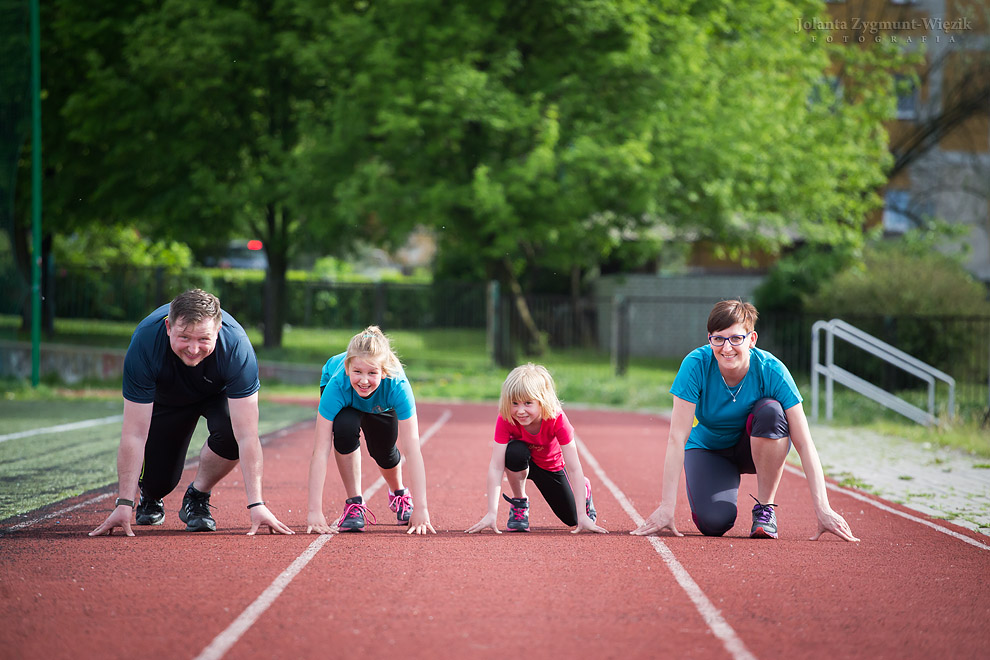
734,340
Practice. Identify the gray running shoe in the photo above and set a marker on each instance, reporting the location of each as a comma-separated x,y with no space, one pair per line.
764,521
355,512
518,514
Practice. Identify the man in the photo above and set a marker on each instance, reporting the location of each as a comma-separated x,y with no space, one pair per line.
187,360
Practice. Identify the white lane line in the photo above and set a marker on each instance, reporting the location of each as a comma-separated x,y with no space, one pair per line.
71,426
890,509
719,626
222,642
225,640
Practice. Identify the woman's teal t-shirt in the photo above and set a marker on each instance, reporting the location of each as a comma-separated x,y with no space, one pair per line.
719,421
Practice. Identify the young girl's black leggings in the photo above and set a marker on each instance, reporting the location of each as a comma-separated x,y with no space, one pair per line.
554,486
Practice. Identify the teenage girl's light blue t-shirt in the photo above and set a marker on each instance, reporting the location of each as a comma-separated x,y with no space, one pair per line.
393,393
720,420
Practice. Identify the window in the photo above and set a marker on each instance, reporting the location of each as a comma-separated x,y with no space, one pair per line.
903,211
907,97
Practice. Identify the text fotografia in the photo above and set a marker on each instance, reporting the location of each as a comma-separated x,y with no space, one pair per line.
876,27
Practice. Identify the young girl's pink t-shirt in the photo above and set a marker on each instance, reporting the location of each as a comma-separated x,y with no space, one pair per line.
544,445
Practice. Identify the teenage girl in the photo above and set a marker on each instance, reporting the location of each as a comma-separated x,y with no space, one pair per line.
365,389
534,440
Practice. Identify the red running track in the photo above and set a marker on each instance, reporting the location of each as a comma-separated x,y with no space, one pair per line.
911,589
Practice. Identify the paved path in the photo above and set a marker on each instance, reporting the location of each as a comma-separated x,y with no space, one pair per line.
938,482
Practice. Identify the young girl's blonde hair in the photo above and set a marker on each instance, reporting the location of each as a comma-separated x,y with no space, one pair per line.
529,382
372,345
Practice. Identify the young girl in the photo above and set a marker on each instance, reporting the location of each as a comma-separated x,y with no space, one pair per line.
534,440
365,389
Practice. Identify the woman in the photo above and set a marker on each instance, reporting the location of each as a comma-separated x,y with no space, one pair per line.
748,412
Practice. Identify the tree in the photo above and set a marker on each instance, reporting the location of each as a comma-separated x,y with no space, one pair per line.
198,122
542,134
528,135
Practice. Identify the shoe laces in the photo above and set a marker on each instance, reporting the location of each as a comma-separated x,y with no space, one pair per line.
400,503
515,511
357,511
147,502
763,513
198,504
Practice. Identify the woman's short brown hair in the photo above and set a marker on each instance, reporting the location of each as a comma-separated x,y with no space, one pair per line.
730,312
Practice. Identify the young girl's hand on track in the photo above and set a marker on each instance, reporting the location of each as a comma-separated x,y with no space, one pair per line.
419,523
487,522
586,523
317,522
658,521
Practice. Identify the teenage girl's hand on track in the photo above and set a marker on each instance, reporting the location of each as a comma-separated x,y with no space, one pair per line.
485,523
260,515
317,522
586,523
419,523
830,521
119,517
658,521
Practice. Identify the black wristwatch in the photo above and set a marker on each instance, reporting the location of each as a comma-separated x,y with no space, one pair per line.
121,500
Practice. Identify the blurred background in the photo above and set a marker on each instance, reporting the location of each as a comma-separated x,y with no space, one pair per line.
567,182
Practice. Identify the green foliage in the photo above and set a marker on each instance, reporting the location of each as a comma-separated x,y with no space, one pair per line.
800,274
101,247
533,137
914,291
900,281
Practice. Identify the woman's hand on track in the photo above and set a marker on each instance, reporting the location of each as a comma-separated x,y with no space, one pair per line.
658,521
488,522
830,521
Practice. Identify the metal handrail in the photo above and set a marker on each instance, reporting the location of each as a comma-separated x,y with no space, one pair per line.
884,351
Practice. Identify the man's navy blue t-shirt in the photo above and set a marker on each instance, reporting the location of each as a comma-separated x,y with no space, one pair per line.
153,373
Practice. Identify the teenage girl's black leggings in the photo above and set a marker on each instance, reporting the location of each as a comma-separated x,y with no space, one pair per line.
381,430
554,486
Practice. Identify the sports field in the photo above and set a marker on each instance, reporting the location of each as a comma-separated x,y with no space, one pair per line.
912,588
